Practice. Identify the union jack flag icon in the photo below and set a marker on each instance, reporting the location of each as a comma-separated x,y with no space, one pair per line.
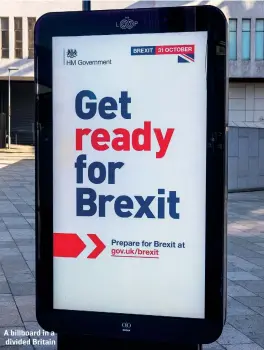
186,58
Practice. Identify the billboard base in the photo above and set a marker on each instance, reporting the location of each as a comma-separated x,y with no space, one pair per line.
69,342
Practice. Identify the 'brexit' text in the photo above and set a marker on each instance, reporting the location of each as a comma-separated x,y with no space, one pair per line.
152,207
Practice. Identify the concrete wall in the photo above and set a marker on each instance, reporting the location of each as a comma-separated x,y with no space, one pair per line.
246,105
245,158
246,136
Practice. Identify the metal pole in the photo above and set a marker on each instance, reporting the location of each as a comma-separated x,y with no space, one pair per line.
9,109
86,5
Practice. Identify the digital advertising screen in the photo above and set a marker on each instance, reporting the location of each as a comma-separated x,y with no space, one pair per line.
129,173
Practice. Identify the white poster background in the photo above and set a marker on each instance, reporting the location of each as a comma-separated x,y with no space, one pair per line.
170,95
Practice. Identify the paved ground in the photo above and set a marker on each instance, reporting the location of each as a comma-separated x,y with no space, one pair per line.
245,322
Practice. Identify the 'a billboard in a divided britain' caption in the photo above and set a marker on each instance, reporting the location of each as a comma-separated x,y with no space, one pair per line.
129,158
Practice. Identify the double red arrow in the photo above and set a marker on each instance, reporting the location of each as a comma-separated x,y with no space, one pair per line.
70,245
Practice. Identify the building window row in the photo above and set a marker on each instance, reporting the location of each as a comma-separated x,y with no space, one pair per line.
31,25
260,39
4,37
18,37
246,39
246,45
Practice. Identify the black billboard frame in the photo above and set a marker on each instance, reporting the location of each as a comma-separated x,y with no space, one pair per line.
153,20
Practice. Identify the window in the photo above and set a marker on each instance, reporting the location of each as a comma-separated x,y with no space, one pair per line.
31,25
246,39
4,24
18,38
232,39
259,54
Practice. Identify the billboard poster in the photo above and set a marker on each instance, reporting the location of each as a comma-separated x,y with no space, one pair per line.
129,173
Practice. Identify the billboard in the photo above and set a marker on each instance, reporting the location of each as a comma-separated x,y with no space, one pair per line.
131,189
126,178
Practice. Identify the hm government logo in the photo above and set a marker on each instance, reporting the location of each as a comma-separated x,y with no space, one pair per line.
72,58
72,53
126,23
69,56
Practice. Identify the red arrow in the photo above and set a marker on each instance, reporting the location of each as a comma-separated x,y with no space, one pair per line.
67,245
99,246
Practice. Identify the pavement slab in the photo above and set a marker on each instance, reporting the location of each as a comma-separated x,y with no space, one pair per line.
232,336
214,346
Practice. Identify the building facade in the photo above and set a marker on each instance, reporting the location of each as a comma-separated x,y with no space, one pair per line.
246,73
